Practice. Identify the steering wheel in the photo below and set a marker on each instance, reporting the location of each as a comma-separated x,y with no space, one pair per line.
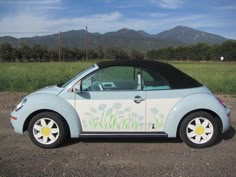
100,86
97,86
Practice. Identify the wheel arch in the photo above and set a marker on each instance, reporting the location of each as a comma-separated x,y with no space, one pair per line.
26,123
193,103
47,102
215,115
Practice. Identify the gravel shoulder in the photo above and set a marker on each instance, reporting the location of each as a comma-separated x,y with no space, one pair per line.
124,157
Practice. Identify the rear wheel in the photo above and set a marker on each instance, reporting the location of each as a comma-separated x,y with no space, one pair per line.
47,130
199,129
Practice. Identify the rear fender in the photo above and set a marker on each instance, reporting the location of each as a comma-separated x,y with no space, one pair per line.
191,103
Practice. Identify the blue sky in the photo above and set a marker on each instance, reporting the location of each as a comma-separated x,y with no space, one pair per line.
32,17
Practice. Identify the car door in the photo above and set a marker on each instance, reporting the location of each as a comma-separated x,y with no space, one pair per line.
160,99
111,100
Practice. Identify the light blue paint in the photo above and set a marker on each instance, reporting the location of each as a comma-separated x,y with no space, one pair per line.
175,93
52,102
191,103
110,95
46,98
191,99
49,90
54,98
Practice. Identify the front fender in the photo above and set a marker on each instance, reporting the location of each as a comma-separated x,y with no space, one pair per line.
37,102
191,103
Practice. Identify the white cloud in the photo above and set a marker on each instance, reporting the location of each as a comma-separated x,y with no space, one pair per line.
168,4
28,21
45,2
108,1
107,17
42,5
49,8
158,15
24,23
79,21
227,8
29,24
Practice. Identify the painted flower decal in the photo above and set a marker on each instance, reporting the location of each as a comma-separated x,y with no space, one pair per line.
114,117
128,109
93,110
158,119
154,110
102,107
108,112
116,106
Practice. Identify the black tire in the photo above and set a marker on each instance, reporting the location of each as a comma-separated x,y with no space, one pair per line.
47,130
205,133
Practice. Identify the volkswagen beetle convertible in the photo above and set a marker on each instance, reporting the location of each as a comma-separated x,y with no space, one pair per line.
123,98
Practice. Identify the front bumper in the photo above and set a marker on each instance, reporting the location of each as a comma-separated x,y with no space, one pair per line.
16,122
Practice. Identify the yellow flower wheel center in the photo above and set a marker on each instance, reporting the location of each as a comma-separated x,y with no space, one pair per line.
200,130
45,131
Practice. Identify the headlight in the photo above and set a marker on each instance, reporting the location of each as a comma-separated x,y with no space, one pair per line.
21,104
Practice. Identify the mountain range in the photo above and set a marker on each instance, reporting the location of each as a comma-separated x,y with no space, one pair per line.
123,38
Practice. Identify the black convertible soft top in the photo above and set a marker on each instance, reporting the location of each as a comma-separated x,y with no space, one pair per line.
177,78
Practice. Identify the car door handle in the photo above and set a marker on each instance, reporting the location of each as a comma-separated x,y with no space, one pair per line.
138,99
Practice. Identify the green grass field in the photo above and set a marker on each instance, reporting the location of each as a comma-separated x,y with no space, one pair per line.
27,77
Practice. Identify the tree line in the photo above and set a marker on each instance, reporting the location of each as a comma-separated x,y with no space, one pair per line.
198,52
37,53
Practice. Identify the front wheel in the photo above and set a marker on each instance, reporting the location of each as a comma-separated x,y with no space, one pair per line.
47,130
199,129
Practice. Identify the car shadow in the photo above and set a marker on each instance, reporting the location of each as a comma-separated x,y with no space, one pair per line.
71,141
121,140
226,136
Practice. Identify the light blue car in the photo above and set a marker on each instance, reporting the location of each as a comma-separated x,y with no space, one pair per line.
123,98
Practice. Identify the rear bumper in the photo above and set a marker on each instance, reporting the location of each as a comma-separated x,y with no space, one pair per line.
227,120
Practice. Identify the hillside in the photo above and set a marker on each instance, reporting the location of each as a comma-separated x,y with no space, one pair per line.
123,38
190,36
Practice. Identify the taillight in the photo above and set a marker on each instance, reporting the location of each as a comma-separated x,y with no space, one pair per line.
221,102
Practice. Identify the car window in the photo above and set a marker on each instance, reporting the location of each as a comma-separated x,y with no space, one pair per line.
76,76
113,78
152,80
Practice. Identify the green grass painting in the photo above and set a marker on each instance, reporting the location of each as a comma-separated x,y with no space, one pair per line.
113,117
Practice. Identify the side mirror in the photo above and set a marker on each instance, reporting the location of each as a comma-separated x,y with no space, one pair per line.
77,88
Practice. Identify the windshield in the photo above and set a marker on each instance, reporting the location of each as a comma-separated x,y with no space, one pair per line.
73,78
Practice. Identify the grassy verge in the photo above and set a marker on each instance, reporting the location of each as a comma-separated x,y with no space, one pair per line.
219,77
32,76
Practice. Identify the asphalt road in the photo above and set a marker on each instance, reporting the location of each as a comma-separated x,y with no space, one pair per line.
124,157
